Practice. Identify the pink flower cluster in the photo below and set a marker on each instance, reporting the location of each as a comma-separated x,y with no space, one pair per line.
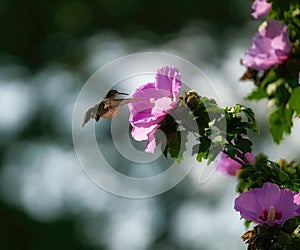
228,166
268,205
261,8
270,46
154,102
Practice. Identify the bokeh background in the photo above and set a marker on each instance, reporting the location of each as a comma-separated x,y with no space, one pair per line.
48,50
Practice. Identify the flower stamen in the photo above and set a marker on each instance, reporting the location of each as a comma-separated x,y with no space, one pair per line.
271,213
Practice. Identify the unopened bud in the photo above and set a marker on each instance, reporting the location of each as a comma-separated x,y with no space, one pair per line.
191,99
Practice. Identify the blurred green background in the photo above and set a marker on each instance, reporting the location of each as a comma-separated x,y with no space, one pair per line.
48,49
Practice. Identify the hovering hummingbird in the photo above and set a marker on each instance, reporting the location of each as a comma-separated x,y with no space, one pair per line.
106,108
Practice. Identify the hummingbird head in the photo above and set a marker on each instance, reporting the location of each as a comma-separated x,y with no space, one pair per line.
113,94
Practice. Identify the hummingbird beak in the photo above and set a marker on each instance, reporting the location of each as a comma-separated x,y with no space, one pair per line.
122,93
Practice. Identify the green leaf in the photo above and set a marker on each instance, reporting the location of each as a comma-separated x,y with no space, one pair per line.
294,101
202,149
281,175
243,144
280,121
257,94
285,174
270,77
282,94
176,146
290,226
231,150
201,156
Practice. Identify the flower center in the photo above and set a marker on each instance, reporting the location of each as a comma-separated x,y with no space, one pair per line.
270,215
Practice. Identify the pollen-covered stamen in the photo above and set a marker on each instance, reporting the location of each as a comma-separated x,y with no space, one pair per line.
271,213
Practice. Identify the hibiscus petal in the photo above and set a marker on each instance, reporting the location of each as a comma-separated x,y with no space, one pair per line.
270,46
161,105
255,203
151,145
140,133
154,102
261,8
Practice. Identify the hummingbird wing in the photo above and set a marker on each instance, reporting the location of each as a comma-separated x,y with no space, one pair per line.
90,113
107,108
111,112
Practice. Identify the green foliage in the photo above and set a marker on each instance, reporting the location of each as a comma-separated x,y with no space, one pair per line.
279,84
263,237
210,119
294,101
257,94
283,173
216,129
239,120
175,139
283,94
280,121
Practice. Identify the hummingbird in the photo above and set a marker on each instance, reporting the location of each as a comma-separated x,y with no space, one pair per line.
106,108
